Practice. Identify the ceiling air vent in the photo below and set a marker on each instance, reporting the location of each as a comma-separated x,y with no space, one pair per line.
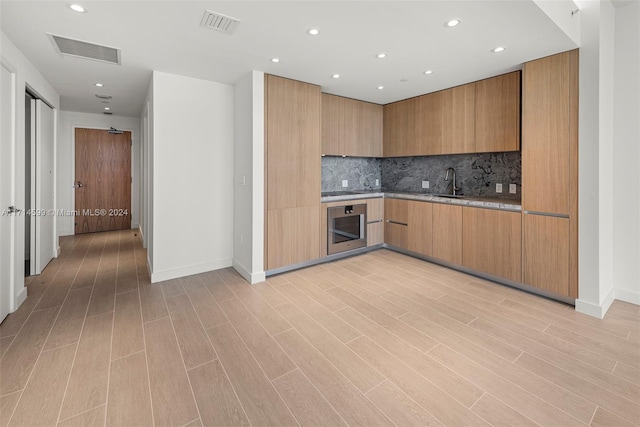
219,22
103,96
86,50
108,113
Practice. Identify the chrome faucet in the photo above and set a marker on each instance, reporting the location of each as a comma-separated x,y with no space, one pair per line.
454,189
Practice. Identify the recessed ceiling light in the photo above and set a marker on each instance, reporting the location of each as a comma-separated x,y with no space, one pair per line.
275,60
498,49
99,84
429,72
107,108
336,76
381,55
380,87
313,31
452,23
77,8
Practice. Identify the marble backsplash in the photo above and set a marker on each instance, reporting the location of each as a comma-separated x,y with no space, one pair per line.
476,174
360,172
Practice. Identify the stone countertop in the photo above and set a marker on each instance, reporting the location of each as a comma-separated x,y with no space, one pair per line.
479,202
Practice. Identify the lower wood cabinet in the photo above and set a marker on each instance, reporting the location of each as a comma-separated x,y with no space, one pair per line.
396,222
545,255
297,236
492,242
375,221
447,233
419,228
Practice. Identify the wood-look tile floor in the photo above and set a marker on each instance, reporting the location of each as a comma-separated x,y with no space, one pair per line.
378,339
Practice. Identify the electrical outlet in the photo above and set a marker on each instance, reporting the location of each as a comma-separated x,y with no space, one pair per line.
377,182
512,188
345,183
425,184
498,188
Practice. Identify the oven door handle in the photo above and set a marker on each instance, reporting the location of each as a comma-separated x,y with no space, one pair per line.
396,222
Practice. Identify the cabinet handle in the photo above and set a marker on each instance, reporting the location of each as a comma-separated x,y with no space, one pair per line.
396,222
374,222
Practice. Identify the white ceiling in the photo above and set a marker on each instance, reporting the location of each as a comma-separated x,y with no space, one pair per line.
166,36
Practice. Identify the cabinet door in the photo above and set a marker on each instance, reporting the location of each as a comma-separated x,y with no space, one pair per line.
293,236
447,233
545,134
396,129
458,119
419,231
333,123
498,113
292,143
395,225
546,253
369,130
375,221
491,242
429,123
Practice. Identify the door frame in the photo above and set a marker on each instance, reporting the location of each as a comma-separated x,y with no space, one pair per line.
73,169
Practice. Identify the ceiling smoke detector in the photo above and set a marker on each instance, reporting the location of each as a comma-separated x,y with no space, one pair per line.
219,22
85,50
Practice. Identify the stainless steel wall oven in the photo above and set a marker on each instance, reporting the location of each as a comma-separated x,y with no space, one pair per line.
346,228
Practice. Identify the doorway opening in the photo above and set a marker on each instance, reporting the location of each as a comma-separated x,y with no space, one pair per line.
29,182
102,180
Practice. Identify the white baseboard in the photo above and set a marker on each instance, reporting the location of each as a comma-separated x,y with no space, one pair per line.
20,298
596,310
628,296
252,278
160,276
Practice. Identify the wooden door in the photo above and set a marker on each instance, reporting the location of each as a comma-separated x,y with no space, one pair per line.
498,113
492,242
103,181
447,233
420,232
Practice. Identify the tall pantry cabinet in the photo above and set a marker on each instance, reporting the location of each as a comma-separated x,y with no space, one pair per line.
550,173
292,151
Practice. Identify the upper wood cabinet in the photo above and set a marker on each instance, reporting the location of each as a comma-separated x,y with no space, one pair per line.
292,151
458,119
477,117
498,113
491,242
351,127
549,133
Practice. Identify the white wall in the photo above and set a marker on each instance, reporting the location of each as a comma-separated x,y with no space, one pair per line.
626,154
26,75
146,193
68,121
248,226
192,176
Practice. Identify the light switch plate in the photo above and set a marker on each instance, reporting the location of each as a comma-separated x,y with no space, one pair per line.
498,188
377,182
425,184
345,183
512,188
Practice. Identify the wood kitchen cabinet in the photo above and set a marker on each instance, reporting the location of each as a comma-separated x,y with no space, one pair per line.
491,242
447,233
458,119
427,119
375,221
292,151
550,173
399,137
396,213
419,228
497,113
546,253
351,127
